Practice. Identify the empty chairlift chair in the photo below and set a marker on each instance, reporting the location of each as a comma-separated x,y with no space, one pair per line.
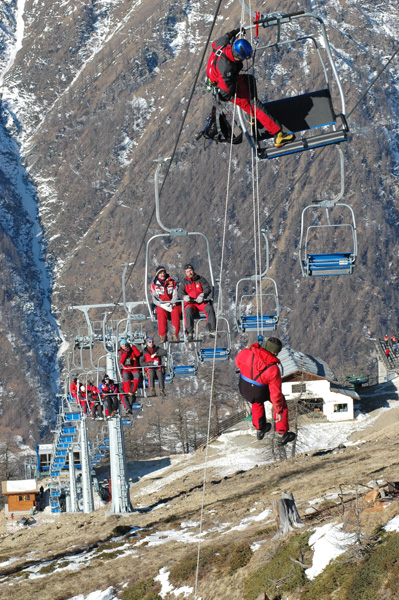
207,349
257,312
339,262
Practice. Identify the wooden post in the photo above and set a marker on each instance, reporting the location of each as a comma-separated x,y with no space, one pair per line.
286,514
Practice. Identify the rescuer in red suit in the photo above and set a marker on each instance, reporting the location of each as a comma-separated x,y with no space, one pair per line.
223,70
260,381
164,295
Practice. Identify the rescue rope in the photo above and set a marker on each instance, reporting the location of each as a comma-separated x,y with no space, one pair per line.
212,390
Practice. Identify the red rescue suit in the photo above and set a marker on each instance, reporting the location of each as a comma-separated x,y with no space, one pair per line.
260,381
129,361
74,390
193,289
164,294
223,71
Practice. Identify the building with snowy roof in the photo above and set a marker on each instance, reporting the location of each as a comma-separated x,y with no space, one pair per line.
312,383
20,494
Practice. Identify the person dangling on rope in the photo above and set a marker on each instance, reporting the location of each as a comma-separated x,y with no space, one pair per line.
223,70
260,381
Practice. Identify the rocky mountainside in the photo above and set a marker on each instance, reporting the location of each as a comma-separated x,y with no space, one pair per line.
92,94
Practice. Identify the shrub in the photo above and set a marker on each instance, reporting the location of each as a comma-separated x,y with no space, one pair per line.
281,568
226,560
146,589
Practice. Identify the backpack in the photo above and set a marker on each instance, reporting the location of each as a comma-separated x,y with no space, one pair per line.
218,129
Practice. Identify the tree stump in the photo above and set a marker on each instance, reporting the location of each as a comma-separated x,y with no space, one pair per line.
286,514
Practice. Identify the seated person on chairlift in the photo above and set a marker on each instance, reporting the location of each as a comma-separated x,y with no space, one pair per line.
109,395
164,295
194,290
129,357
223,70
96,409
73,388
152,361
82,398
260,381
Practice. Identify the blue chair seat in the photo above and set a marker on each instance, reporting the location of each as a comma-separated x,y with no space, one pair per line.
66,439
69,430
329,264
254,322
210,354
184,371
72,416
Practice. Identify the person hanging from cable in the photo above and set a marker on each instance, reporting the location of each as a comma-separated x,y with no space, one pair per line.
164,295
223,70
260,381
152,361
129,357
196,293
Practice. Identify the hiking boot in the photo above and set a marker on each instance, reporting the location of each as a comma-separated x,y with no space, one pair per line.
190,337
153,392
212,334
260,434
163,338
175,337
281,139
129,412
162,392
284,438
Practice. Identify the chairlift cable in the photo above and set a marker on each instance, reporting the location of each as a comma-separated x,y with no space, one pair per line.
374,81
192,93
175,146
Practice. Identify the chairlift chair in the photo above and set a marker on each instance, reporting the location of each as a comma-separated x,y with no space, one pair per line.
333,263
210,353
187,369
170,234
305,112
268,305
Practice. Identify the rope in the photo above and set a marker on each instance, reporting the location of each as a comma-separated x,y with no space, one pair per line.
212,391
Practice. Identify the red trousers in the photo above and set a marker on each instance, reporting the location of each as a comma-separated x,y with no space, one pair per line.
259,417
162,316
247,100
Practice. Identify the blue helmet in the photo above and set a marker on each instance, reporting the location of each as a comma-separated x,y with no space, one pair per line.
242,49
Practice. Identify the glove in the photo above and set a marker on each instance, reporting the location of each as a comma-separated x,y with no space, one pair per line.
200,298
186,298
167,306
239,30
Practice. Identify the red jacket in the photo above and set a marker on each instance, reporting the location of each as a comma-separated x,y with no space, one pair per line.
252,361
147,361
194,287
74,390
163,291
223,70
129,359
